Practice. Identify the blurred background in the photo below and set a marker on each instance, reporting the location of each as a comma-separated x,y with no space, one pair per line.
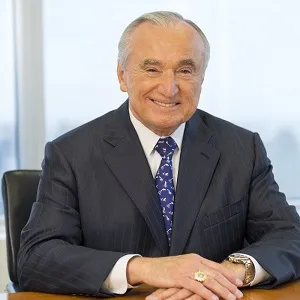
58,71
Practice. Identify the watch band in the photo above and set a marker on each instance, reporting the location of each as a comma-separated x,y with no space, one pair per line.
237,258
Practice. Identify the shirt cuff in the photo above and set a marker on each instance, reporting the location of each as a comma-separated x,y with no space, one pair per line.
260,274
116,281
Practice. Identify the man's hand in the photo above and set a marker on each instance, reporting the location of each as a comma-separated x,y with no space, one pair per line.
178,272
183,294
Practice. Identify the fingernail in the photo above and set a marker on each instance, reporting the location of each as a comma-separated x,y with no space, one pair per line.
214,297
239,294
239,282
231,297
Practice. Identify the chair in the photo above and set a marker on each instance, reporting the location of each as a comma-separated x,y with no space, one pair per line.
19,192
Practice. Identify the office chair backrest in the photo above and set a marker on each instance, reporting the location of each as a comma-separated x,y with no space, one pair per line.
19,192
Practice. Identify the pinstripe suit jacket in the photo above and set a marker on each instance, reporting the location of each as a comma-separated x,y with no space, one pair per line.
97,201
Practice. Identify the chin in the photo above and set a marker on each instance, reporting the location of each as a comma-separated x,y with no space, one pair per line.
165,129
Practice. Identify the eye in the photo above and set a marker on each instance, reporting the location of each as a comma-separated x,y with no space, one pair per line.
185,71
151,70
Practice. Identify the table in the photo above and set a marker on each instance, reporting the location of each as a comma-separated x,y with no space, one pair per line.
290,291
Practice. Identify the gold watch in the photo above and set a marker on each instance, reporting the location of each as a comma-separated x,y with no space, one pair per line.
238,258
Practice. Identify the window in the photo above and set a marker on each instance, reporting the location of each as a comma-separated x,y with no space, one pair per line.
7,100
252,78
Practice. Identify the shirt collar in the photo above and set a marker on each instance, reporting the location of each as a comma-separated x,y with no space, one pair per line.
149,139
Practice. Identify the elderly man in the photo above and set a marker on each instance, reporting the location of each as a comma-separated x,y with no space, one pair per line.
158,191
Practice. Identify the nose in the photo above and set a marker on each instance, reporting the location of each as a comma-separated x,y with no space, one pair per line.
168,85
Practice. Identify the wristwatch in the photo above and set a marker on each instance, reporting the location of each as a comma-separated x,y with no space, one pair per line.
238,258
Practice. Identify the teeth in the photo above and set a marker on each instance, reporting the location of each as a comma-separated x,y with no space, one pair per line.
164,104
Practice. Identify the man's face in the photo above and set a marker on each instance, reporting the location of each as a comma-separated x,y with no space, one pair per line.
163,75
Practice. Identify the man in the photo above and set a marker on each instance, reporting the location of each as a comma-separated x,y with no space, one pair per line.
157,191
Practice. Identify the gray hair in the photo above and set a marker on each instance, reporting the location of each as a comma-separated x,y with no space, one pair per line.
160,18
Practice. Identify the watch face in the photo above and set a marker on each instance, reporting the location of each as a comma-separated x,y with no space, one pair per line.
238,256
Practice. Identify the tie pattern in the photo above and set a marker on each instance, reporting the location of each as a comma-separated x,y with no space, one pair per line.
164,181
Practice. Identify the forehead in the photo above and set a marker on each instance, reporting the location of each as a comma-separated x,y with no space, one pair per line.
176,41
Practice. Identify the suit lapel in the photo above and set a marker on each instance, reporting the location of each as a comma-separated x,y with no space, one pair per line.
126,159
197,164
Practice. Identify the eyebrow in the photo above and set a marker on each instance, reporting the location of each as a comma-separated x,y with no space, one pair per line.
187,62
150,62
154,62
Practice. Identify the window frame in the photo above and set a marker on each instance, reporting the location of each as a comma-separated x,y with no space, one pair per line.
27,25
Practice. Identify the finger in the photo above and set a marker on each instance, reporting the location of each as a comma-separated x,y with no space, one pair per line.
223,281
182,294
157,292
225,271
213,285
198,288
161,294
194,297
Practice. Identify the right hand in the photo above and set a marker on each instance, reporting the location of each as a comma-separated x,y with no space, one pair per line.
178,272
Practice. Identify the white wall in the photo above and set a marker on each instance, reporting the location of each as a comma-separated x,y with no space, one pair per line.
3,266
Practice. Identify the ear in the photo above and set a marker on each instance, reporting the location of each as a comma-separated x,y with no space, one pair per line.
202,79
121,78
201,82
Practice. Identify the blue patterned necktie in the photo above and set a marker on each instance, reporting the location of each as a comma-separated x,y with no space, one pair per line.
164,181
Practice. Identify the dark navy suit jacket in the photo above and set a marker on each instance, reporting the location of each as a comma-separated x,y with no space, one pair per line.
97,201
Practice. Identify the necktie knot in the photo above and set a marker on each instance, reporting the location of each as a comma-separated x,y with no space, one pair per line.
166,147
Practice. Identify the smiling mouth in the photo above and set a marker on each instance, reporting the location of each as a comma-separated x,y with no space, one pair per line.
164,104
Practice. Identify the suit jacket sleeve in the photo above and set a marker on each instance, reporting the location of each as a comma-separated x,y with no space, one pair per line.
52,257
273,226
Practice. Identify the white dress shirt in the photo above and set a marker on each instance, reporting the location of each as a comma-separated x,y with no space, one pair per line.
116,282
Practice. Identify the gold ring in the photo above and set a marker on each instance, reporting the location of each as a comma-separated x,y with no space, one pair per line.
200,276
